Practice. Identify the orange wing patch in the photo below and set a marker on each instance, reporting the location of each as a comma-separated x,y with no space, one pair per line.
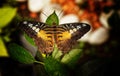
43,35
45,42
65,35
64,41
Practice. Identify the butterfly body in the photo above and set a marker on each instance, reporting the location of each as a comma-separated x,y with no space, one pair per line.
45,36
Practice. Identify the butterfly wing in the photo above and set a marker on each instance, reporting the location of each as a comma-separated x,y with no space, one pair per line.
37,31
74,31
31,28
65,35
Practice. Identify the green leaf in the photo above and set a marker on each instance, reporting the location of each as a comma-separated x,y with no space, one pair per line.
7,13
3,51
30,40
52,19
72,57
54,67
20,54
56,54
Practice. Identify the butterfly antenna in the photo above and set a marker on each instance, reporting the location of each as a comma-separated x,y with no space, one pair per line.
60,13
44,14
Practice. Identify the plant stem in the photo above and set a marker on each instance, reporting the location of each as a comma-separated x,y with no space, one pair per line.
39,62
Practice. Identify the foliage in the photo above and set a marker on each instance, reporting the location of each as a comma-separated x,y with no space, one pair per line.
20,54
30,40
96,57
52,19
56,59
7,14
3,51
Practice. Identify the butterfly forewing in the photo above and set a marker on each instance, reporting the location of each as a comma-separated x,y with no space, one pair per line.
31,28
77,30
45,36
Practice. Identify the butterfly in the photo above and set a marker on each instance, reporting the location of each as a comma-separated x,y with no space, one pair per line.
65,36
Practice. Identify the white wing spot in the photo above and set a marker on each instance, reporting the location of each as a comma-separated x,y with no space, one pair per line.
71,31
74,29
34,28
84,25
78,27
36,25
30,25
37,30
25,22
72,26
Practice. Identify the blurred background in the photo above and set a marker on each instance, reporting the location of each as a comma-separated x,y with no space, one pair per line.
100,55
